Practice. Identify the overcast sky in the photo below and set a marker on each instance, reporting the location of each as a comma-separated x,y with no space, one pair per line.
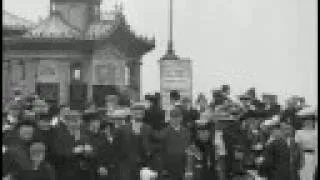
268,44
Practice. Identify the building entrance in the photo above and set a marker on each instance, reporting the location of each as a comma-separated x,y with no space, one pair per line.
49,92
78,95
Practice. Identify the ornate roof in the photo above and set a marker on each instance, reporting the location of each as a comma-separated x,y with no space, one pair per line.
100,30
112,28
86,1
14,22
54,27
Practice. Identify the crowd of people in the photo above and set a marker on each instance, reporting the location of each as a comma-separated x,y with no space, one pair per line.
223,140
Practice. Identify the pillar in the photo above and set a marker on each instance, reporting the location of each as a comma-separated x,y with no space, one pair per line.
5,80
31,75
135,79
64,81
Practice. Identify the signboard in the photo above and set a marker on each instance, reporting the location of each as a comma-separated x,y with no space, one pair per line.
175,75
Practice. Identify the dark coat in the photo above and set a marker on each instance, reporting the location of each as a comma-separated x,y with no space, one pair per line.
207,163
105,155
16,158
155,118
277,160
46,137
189,117
45,172
234,136
69,165
297,160
132,151
173,154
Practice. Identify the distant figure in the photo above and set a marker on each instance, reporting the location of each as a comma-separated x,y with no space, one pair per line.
40,169
276,157
308,138
175,140
131,145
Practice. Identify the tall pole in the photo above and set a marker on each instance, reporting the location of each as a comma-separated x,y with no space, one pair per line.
170,43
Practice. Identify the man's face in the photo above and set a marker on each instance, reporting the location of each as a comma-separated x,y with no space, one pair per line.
26,132
176,121
94,126
37,152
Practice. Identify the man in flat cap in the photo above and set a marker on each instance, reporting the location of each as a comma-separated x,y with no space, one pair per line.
175,139
73,149
17,146
203,141
40,169
132,146
106,152
189,114
276,156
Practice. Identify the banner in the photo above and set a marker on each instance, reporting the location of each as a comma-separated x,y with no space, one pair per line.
175,75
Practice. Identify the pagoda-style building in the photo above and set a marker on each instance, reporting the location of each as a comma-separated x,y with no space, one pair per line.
75,56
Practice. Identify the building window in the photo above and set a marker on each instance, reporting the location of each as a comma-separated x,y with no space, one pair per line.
76,72
53,7
97,11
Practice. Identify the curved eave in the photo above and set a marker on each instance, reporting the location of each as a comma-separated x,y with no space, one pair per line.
46,44
129,43
9,32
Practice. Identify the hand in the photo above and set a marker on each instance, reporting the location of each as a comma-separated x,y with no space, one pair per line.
78,149
102,171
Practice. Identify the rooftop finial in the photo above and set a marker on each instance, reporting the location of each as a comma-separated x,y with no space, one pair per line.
170,43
